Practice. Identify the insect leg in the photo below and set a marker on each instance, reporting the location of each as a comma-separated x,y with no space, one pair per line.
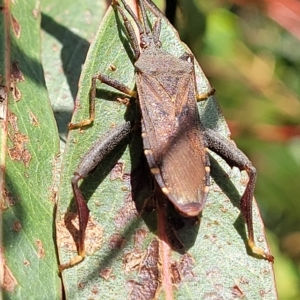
199,97
235,157
204,96
91,159
109,81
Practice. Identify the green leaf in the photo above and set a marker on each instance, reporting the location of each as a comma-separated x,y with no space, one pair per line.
30,142
126,256
68,28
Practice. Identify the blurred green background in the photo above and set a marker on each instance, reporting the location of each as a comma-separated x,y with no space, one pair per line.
250,52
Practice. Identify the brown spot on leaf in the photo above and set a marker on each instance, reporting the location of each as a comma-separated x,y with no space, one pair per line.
15,77
263,293
244,280
18,149
17,226
126,178
16,26
81,285
55,48
67,233
16,93
18,152
210,223
149,276
212,296
116,241
12,120
8,282
26,262
56,170
139,237
26,156
33,119
260,238
8,199
117,171
40,249
237,292
36,12
219,288
265,271
244,180
16,74
106,273
224,209
213,274
126,213
186,266
95,290
132,260
182,270
175,274
3,100
124,101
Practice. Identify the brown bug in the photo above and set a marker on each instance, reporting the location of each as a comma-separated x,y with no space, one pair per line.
174,139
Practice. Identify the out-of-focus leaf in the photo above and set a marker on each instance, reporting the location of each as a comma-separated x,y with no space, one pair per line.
68,29
221,33
121,244
29,253
285,216
286,273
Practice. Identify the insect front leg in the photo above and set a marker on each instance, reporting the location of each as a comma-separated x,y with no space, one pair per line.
235,157
109,81
88,163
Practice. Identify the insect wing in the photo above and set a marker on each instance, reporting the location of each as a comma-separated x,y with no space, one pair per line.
173,142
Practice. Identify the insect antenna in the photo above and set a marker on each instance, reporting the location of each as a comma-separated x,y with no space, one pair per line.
134,17
144,16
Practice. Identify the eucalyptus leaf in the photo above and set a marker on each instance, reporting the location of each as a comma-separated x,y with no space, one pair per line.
126,256
31,147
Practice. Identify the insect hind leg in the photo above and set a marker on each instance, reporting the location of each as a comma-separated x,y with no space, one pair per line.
235,157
